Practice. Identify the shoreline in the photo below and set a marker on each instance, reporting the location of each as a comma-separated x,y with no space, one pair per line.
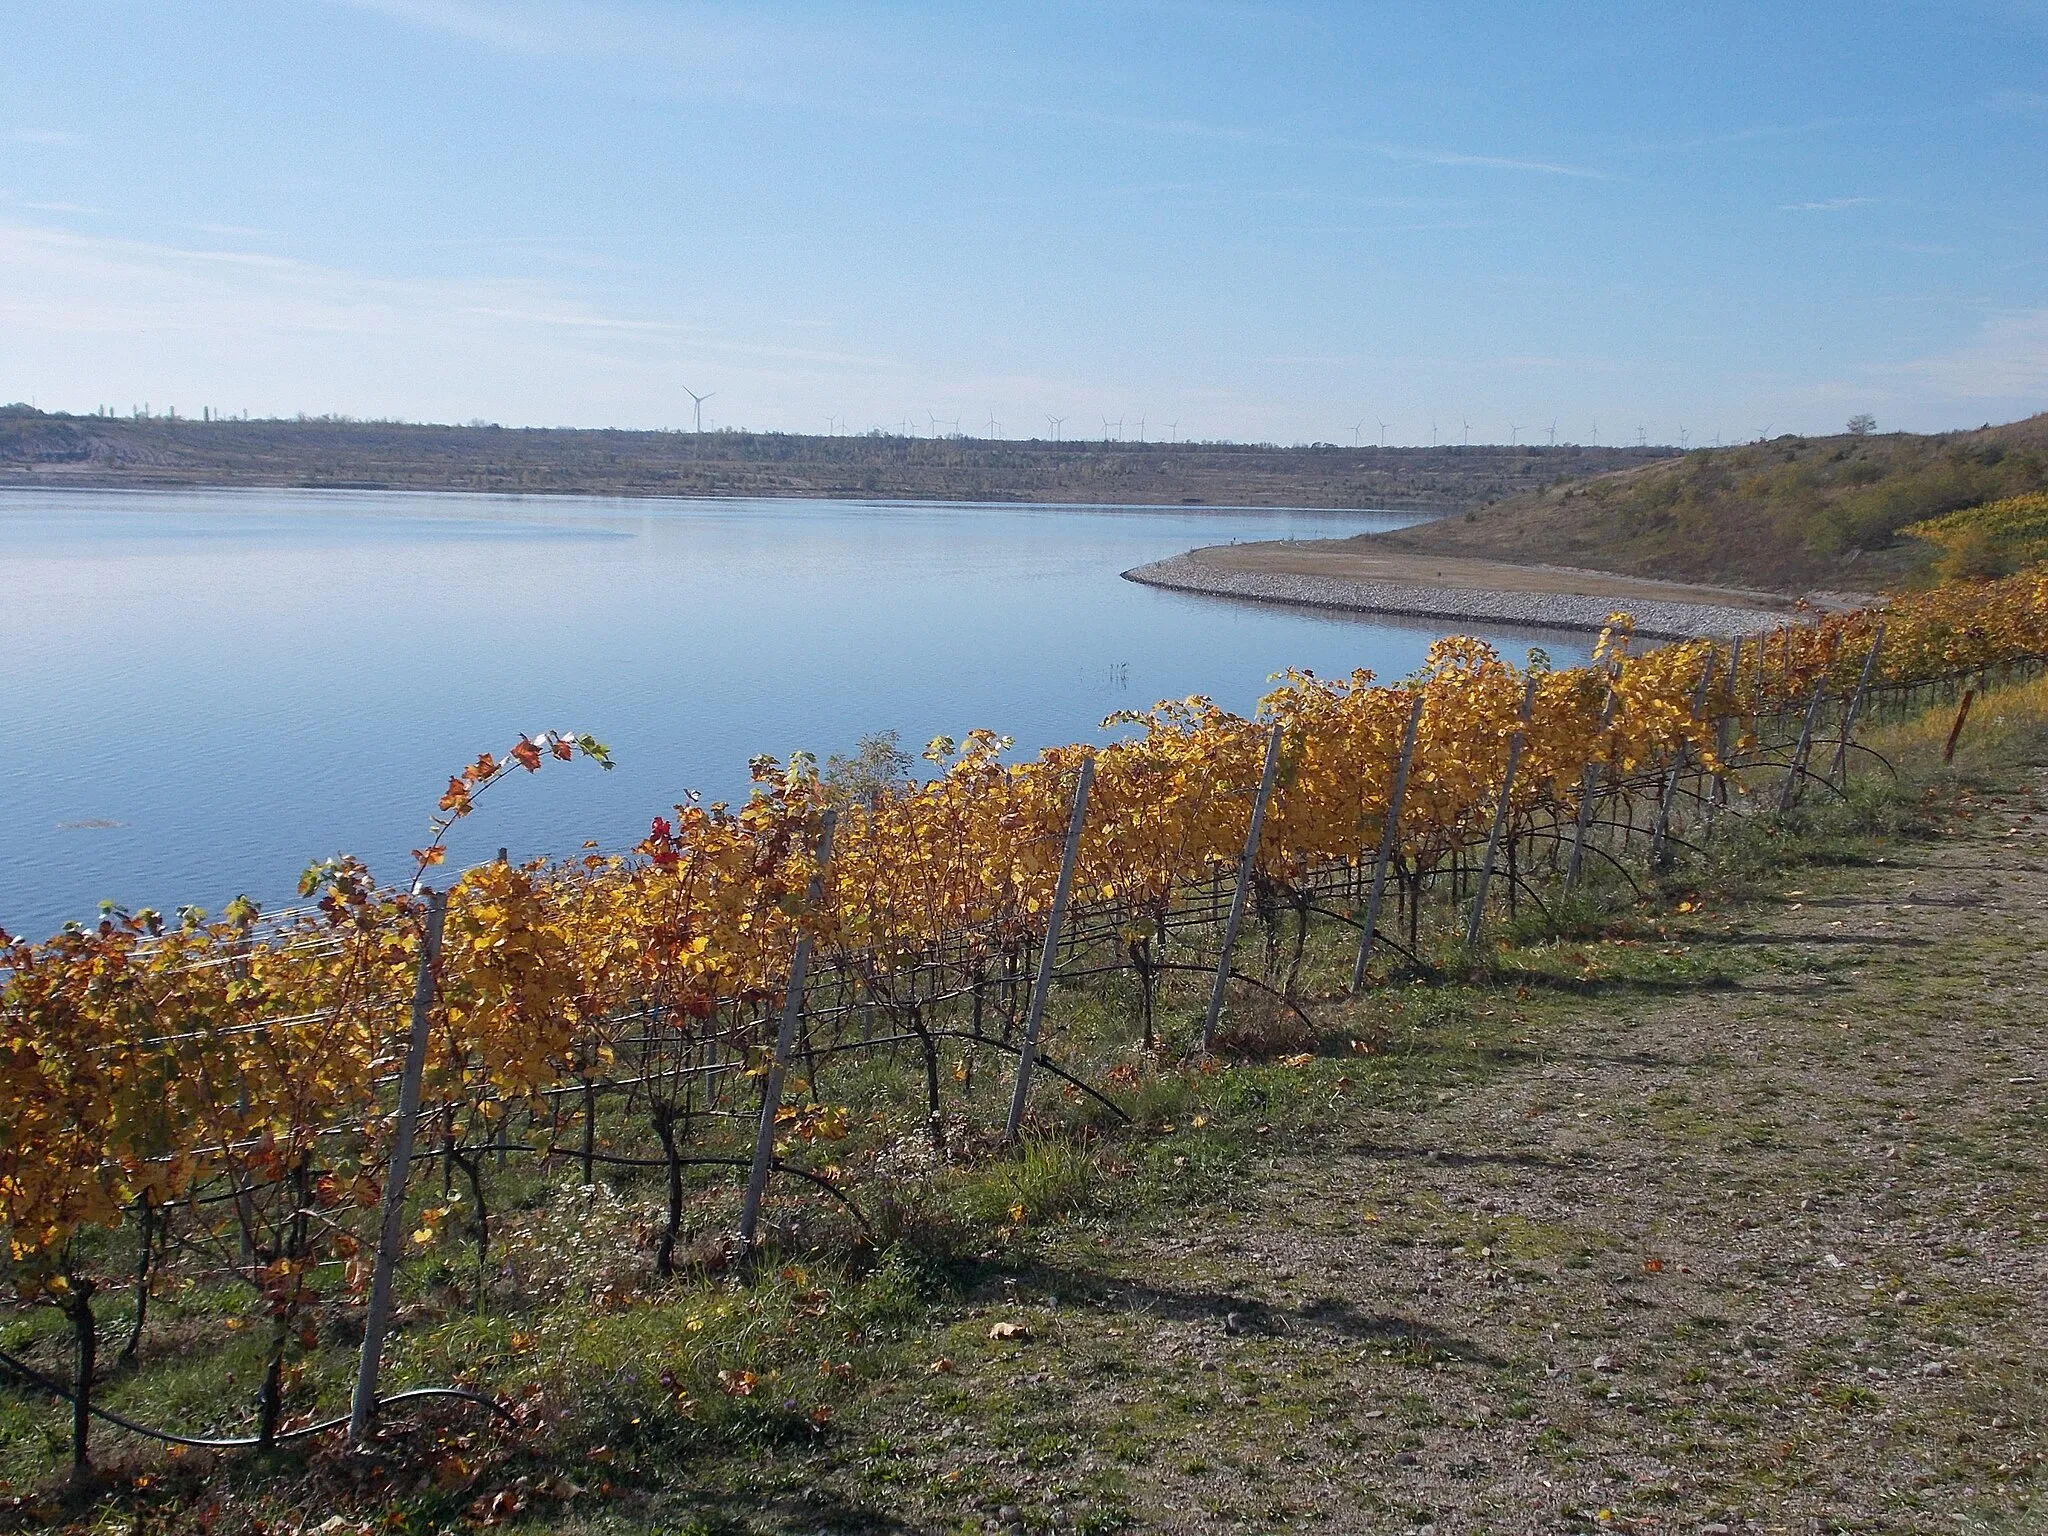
1578,613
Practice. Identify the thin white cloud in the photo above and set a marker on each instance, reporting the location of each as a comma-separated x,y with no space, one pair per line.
53,138
2021,103
514,31
1828,205
1485,162
1753,133
1226,133
2007,360
233,231
248,327
62,208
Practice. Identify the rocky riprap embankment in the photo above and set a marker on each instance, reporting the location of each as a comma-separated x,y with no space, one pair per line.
1541,610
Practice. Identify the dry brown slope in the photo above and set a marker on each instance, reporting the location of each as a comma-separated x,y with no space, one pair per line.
1788,515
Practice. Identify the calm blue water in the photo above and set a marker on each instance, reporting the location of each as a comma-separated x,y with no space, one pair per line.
207,690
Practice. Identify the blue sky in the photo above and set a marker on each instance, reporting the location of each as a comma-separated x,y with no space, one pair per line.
1265,221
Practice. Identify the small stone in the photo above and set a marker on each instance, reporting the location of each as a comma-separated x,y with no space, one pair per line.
1716,1529
1009,1515
1233,1324
1604,1363
1406,1459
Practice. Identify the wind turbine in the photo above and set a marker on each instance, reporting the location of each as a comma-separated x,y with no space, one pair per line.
1356,429
1642,436
995,428
1553,432
1684,439
935,425
1468,433
1056,422
1432,434
1512,430
1596,434
1383,432
699,400
1141,429
1173,431
1764,433
1118,424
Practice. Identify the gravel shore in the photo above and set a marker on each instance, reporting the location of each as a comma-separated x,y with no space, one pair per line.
1544,610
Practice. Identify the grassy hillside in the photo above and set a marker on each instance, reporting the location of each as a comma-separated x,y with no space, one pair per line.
1793,514
40,449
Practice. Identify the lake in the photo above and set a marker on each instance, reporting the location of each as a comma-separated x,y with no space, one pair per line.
213,688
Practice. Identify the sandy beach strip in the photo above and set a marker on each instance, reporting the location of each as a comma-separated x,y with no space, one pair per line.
1660,619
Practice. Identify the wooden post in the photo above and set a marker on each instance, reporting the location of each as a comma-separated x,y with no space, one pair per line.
391,1235
1500,817
1237,896
1027,1055
1388,835
1840,767
1790,795
1948,751
785,1041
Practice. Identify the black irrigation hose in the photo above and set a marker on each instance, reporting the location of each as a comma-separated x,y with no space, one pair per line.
1381,939
612,1159
1042,1065
36,1378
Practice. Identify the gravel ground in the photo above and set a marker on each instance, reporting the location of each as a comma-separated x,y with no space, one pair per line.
1541,610
1757,1249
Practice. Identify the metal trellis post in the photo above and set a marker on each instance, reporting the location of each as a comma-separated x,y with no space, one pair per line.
1500,816
1839,768
1660,837
391,1235
1388,836
1797,766
1723,729
785,1041
1027,1054
1587,780
1244,878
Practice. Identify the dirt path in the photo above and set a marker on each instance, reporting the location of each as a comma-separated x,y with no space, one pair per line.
1759,1256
